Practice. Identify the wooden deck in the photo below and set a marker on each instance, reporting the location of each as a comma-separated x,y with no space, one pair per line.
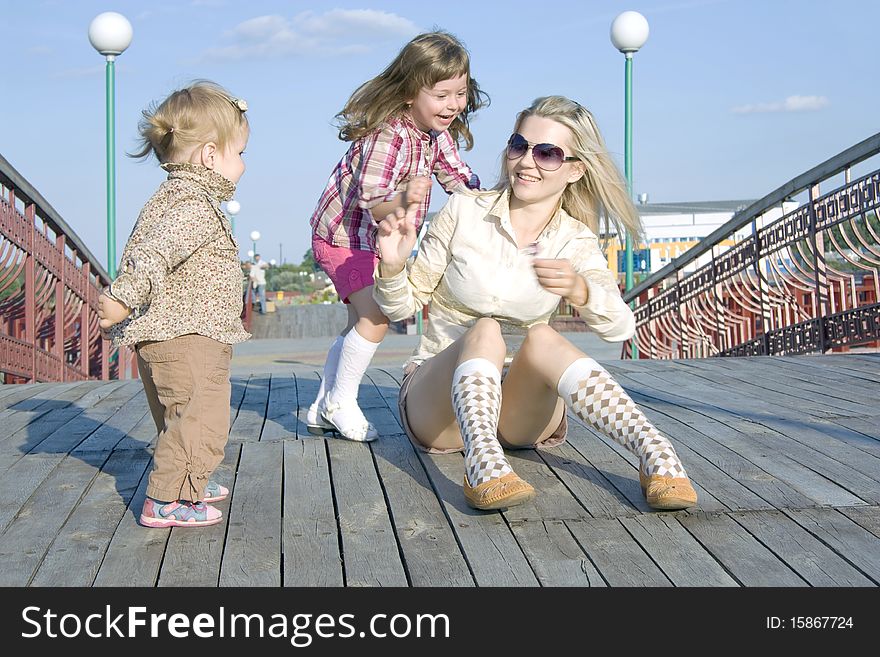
784,452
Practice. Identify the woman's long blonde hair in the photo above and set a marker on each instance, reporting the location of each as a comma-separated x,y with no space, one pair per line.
426,60
200,112
600,196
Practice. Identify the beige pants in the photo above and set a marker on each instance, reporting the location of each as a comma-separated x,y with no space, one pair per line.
186,380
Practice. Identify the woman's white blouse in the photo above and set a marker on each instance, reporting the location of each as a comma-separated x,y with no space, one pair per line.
469,266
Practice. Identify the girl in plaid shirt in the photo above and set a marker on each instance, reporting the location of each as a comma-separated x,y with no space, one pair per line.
405,126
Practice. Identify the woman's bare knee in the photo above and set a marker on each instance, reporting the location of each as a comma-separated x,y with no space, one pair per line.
484,340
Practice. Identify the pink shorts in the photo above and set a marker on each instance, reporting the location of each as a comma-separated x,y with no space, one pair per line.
349,269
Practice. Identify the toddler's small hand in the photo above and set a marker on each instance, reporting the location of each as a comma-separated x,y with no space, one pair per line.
110,312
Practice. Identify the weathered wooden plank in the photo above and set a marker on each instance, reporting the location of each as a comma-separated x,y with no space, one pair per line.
135,553
593,491
281,409
863,366
855,543
583,437
142,435
73,400
370,550
236,395
67,437
193,555
41,425
619,473
252,553
309,533
771,458
681,558
615,554
19,482
116,427
306,390
251,416
431,554
789,391
77,552
745,558
867,426
855,471
808,382
54,395
32,530
726,394
490,549
697,467
810,558
716,468
728,449
553,500
555,556
10,388
18,392
866,516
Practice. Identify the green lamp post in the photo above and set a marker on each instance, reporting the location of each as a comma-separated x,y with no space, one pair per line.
629,32
110,34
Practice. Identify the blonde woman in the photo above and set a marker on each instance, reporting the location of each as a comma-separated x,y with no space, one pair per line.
493,265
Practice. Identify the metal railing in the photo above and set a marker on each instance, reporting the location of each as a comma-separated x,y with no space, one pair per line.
49,287
774,279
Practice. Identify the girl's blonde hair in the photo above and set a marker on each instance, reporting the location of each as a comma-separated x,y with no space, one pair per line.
195,115
426,60
600,195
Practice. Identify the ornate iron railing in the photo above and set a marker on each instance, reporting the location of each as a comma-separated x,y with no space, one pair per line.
796,280
49,287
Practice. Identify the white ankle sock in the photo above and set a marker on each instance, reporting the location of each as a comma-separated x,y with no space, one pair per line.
476,399
590,391
354,359
330,366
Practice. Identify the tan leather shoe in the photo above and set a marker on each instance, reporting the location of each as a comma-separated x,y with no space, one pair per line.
668,493
500,493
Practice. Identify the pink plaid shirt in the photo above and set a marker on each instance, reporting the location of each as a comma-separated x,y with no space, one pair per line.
370,172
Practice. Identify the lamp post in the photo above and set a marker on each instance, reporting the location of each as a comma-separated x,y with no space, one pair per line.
629,32
255,236
233,207
110,34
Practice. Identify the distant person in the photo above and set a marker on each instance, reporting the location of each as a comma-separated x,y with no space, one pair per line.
495,265
178,298
405,126
257,277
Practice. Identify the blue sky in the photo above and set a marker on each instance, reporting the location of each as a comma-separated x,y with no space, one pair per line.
732,97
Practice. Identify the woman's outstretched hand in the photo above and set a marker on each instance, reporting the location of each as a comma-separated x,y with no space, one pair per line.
396,239
559,277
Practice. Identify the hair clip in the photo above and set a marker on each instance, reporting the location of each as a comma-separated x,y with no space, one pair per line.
240,103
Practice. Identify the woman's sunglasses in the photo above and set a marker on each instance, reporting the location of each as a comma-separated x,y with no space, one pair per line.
547,156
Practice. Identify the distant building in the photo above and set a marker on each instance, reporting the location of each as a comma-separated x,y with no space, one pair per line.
673,228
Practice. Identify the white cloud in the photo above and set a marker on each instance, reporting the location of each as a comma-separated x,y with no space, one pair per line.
336,32
790,104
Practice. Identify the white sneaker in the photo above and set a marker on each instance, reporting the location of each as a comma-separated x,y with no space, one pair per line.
316,424
348,420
